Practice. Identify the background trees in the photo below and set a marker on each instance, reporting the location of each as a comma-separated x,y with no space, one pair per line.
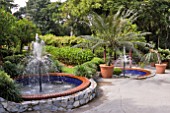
66,18
36,11
154,17
7,5
7,20
25,31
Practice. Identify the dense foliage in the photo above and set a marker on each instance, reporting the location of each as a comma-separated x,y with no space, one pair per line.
117,71
13,65
61,18
61,41
70,55
7,5
89,68
7,20
8,89
25,32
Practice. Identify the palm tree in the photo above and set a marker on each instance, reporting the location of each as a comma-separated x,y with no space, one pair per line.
116,31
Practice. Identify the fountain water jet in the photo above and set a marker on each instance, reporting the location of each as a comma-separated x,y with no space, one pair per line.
84,90
37,83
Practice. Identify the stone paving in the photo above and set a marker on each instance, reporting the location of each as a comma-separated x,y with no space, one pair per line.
124,95
151,95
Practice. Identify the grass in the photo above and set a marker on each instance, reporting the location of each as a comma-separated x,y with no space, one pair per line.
67,70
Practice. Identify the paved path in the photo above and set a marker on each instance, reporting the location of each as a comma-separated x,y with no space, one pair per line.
126,95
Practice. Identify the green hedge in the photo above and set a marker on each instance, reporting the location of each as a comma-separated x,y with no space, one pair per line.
68,55
8,88
59,41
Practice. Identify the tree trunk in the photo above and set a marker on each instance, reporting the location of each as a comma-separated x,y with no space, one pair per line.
115,55
21,46
104,54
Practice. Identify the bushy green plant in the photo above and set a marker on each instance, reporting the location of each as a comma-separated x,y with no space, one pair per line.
10,68
90,65
117,71
99,52
149,57
14,59
5,52
89,69
59,41
8,88
70,55
164,53
81,70
84,71
13,69
97,61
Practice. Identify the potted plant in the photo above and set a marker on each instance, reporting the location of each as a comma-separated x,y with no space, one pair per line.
107,69
112,32
164,55
160,67
150,57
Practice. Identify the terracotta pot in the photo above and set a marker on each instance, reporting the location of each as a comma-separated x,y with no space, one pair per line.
160,68
106,71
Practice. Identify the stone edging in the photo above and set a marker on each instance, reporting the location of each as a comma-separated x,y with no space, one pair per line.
64,103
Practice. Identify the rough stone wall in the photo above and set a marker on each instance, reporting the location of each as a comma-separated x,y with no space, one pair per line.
64,103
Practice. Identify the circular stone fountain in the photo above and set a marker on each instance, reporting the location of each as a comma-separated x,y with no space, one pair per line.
70,84
137,73
49,91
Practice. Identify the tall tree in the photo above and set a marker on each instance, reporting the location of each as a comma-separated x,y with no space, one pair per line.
35,12
7,20
20,13
154,17
75,10
7,5
25,31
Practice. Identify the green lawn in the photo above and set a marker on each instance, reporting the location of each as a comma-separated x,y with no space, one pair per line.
67,70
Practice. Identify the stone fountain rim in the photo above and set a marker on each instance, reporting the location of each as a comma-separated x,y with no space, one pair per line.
85,83
147,75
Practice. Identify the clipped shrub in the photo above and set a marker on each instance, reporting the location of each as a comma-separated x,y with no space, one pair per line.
117,71
70,56
59,41
8,88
